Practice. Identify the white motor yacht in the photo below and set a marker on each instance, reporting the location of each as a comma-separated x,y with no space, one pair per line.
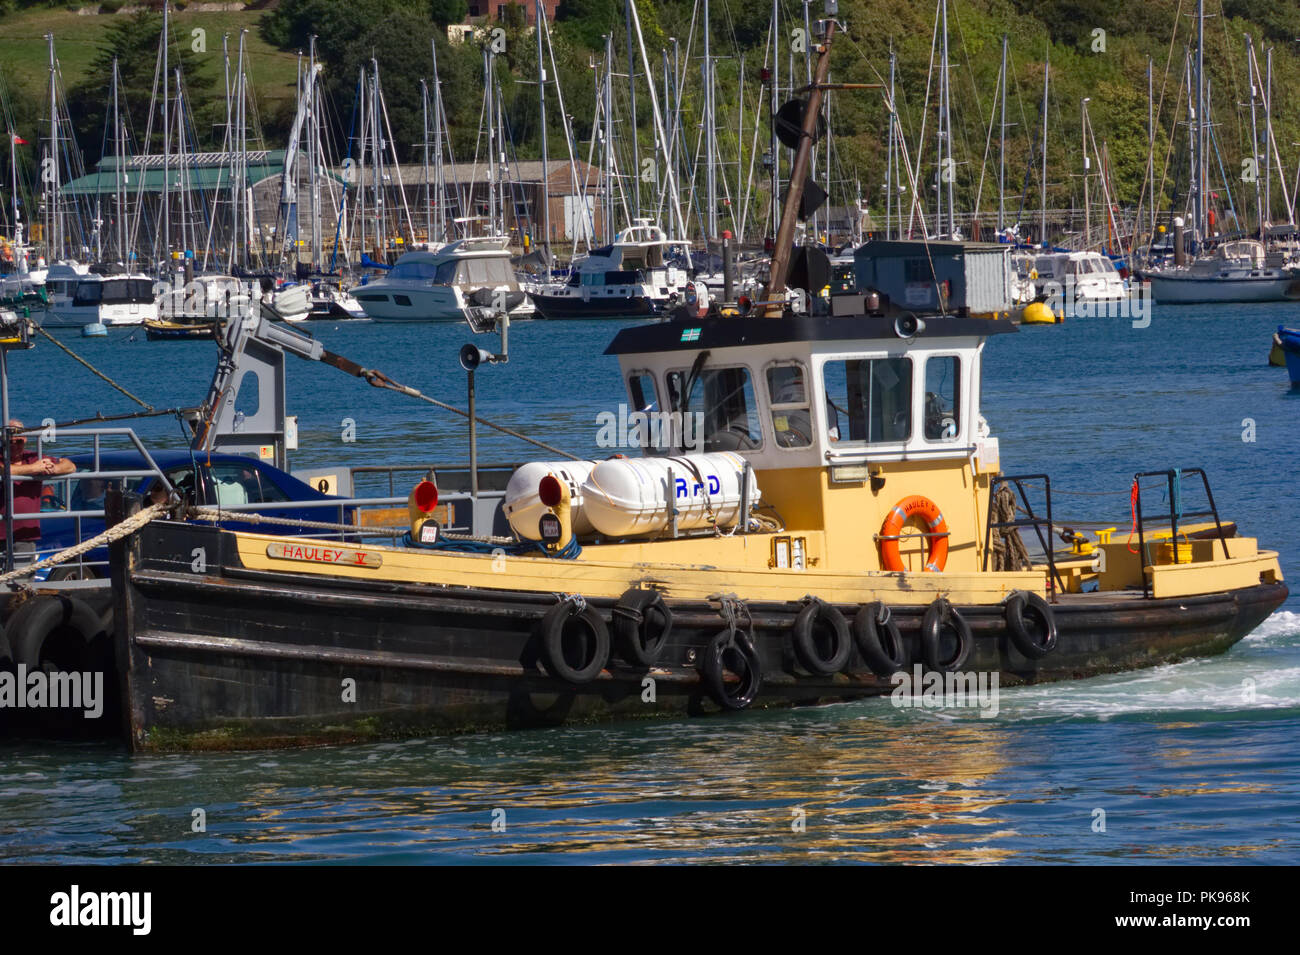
464,280
1093,276
79,297
634,276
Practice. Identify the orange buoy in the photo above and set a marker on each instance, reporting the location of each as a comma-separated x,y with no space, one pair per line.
928,511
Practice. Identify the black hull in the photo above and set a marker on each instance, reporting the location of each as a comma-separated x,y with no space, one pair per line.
561,306
237,658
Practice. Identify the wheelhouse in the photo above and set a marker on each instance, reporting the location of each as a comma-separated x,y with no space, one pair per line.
838,417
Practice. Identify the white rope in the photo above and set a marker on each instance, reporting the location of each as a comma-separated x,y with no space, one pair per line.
114,533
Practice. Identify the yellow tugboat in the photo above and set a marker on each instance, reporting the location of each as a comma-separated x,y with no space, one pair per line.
819,507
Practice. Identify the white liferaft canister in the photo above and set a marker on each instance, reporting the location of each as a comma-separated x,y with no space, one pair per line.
626,497
524,508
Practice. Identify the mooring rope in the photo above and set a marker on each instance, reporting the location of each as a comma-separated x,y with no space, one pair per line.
114,533
141,402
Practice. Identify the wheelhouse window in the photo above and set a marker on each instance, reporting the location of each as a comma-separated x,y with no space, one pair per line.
942,409
869,400
724,397
641,389
414,271
787,387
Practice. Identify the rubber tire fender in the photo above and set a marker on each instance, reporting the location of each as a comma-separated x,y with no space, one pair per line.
712,665
35,621
937,615
1020,604
819,613
561,620
879,641
639,641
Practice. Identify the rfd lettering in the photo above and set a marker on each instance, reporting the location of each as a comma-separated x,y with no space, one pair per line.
715,486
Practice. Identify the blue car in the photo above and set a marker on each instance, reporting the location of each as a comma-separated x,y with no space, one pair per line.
205,480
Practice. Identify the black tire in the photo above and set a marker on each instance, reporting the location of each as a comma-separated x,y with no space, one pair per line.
1031,624
879,640
640,638
564,629
6,654
822,641
939,616
738,656
54,630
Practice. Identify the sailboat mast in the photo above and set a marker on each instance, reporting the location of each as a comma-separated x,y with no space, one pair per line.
710,135
167,137
1151,142
1202,226
1002,142
1254,131
945,128
119,161
54,213
546,155
489,113
313,154
440,216
1042,224
1268,134
424,128
1083,142
631,85
889,154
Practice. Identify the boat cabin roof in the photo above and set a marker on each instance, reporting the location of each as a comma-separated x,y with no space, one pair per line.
733,332
806,391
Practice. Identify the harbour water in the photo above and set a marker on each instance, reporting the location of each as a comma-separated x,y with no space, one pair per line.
1191,763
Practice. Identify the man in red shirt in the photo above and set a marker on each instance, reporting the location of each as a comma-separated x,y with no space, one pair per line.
27,494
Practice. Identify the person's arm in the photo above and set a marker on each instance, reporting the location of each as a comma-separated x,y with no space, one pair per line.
44,467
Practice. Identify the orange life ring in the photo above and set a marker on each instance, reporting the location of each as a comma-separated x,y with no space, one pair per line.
893,526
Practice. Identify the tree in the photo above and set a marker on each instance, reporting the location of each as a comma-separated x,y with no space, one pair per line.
445,12
133,41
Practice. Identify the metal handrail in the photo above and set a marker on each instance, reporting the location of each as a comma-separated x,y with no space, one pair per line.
1170,475
1032,520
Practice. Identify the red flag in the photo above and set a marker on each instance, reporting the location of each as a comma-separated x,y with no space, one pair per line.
18,140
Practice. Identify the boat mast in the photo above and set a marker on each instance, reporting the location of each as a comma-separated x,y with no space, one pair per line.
440,216
1268,134
1042,225
774,144
167,137
1254,132
424,127
489,113
313,155
710,136
1083,142
54,213
945,128
119,160
608,108
546,156
1151,143
1202,224
774,298
1002,141
631,84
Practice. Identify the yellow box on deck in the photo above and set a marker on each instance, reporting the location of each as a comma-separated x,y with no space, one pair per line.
1165,553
